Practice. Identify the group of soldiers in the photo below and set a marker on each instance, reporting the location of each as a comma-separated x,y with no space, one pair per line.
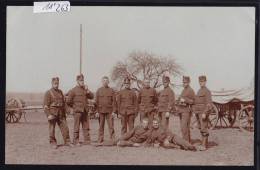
154,109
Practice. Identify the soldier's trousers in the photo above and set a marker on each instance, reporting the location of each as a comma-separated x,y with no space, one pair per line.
127,121
62,123
149,116
181,142
185,118
203,126
110,123
83,119
164,120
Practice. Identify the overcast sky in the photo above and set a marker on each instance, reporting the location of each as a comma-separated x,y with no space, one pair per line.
215,41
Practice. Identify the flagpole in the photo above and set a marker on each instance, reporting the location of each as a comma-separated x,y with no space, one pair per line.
80,60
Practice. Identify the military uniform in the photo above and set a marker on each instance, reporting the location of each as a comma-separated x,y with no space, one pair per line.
147,100
161,134
166,103
78,100
106,104
127,107
184,108
203,104
136,135
54,104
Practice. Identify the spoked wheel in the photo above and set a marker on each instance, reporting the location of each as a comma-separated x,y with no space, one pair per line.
13,116
246,118
213,117
13,111
223,119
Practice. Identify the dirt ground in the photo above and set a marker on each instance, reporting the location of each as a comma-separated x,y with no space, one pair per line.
27,143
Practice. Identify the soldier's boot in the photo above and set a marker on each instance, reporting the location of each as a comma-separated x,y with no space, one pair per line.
204,144
136,145
173,146
123,143
76,139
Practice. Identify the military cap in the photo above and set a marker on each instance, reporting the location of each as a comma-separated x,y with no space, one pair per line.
127,80
186,79
55,79
166,79
105,77
202,78
80,77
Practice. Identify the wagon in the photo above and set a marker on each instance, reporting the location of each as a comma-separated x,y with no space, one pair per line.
231,108
16,108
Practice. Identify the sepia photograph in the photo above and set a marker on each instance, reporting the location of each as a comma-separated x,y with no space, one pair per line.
130,85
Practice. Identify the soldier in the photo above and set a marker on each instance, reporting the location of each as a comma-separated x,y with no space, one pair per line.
54,107
78,99
184,103
166,102
127,106
147,100
202,107
106,108
160,136
135,136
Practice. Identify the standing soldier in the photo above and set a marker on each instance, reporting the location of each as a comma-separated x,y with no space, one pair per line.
184,103
147,100
127,106
202,107
106,108
166,102
78,99
54,107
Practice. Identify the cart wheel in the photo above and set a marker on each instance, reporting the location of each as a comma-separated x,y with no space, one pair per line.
13,116
246,118
213,117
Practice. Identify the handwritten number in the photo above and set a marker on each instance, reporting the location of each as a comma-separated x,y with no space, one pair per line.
58,7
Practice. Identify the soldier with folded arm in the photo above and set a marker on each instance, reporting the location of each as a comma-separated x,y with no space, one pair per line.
184,105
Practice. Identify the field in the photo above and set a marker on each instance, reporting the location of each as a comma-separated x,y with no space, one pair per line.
27,143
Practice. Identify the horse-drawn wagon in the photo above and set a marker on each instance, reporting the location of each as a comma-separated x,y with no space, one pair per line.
232,108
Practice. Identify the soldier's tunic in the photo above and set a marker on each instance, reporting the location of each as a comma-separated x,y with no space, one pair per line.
78,99
136,135
127,108
54,104
161,134
166,102
203,103
147,99
106,104
188,95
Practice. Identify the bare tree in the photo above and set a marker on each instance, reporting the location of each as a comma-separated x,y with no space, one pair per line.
141,65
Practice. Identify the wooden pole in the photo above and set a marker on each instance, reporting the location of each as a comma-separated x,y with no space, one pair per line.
80,60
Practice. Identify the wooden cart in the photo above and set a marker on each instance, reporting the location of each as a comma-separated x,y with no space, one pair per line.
231,108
